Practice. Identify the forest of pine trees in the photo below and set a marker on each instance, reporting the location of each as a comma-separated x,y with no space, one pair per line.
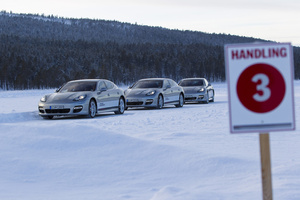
45,52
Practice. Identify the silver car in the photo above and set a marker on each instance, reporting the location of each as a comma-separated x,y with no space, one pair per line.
155,92
83,97
197,90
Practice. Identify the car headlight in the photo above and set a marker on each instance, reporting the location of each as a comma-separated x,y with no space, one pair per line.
81,97
201,90
151,93
43,99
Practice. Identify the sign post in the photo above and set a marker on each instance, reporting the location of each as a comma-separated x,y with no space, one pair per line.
266,175
261,95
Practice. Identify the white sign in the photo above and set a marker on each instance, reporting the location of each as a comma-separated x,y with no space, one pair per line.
260,85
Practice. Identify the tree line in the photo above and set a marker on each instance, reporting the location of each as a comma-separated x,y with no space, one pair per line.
31,63
45,52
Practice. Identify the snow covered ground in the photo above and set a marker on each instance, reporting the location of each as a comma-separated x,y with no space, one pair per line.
145,154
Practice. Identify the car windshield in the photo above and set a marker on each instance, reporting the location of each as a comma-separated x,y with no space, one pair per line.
149,84
191,83
79,86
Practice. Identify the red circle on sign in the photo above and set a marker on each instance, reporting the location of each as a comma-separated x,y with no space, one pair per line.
260,88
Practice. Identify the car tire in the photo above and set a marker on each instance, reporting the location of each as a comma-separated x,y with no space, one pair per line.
121,107
180,101
213,98
92,109
207,98
160,102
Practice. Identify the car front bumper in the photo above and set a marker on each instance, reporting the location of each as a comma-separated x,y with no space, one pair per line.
195,97
141,102
75,108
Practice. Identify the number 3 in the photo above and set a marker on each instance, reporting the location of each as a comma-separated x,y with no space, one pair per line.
266,92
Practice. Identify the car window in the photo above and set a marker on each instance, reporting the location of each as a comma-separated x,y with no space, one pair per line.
79,86
166,84
109,85
173,83
149,84
102,85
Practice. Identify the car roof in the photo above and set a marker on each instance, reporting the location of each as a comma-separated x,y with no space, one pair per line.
144,79
193,79
89,80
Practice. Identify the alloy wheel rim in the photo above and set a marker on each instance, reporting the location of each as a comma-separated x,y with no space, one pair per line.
93,109
122,105
160,102
181,100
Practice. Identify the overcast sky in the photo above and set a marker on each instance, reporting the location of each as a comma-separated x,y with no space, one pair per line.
277,20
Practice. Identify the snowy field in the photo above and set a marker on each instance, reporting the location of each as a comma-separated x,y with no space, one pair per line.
183,153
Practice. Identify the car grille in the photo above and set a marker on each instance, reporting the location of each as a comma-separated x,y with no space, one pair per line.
138,103
190,98
57,110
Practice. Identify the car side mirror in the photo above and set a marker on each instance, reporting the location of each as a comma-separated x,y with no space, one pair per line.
209,84
131,86
102,90
167,87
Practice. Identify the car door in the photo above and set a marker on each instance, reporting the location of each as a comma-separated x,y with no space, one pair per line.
175,91
114,94
102,96
209,89
167,92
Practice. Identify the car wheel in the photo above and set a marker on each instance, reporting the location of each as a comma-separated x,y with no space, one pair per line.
207,98
180,101
121,108
92,109
160,102
213,97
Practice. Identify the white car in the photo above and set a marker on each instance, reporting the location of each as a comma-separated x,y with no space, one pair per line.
155,93
83,97
197,90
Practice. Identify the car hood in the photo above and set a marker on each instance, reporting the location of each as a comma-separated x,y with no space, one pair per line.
139,92
192,89
63,97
